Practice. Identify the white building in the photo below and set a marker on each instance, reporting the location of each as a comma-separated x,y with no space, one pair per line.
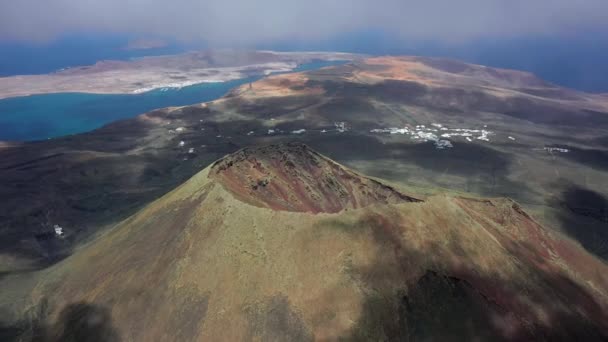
58,230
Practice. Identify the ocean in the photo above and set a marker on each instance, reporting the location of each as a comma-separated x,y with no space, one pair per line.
576,61
18,58
47,116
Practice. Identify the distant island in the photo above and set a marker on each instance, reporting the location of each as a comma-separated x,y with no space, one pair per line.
145,44
173,71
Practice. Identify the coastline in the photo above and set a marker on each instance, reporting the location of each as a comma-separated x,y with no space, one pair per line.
74,112
171,71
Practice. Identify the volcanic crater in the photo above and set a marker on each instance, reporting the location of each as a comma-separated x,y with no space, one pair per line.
293,177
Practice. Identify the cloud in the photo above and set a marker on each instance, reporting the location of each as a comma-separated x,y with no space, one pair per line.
252,21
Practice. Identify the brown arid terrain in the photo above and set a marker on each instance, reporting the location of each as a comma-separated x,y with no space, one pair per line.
172,71
416,233
89,181
201,263
294,178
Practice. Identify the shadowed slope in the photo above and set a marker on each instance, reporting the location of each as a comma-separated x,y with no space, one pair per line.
88,182
199,264
293,177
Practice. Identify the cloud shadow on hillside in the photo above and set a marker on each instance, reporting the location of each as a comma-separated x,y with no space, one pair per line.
584,217
441,306
76,322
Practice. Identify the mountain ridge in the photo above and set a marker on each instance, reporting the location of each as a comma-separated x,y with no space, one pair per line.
130,162
280,174
199,263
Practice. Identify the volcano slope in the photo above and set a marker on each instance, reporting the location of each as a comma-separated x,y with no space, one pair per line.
88,182
223,258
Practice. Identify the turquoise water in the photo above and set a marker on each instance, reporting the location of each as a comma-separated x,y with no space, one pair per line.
46,116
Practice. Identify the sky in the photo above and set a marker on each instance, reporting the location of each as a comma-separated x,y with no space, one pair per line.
249,22
562,41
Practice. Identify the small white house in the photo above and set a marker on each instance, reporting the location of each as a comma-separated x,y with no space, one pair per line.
58,230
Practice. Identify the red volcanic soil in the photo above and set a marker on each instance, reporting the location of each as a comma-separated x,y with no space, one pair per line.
548,255
292,177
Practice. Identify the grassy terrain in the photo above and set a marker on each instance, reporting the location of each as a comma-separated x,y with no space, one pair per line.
200,264
90,182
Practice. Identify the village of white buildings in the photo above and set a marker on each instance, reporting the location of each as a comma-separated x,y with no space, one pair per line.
438,133
441,135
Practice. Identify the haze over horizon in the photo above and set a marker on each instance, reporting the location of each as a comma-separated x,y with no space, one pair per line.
241,22
561,41
303,170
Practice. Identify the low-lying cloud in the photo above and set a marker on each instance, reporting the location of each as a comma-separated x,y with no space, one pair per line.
249,21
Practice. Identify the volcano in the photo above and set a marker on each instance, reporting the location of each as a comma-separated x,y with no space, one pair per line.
280,243
292,177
